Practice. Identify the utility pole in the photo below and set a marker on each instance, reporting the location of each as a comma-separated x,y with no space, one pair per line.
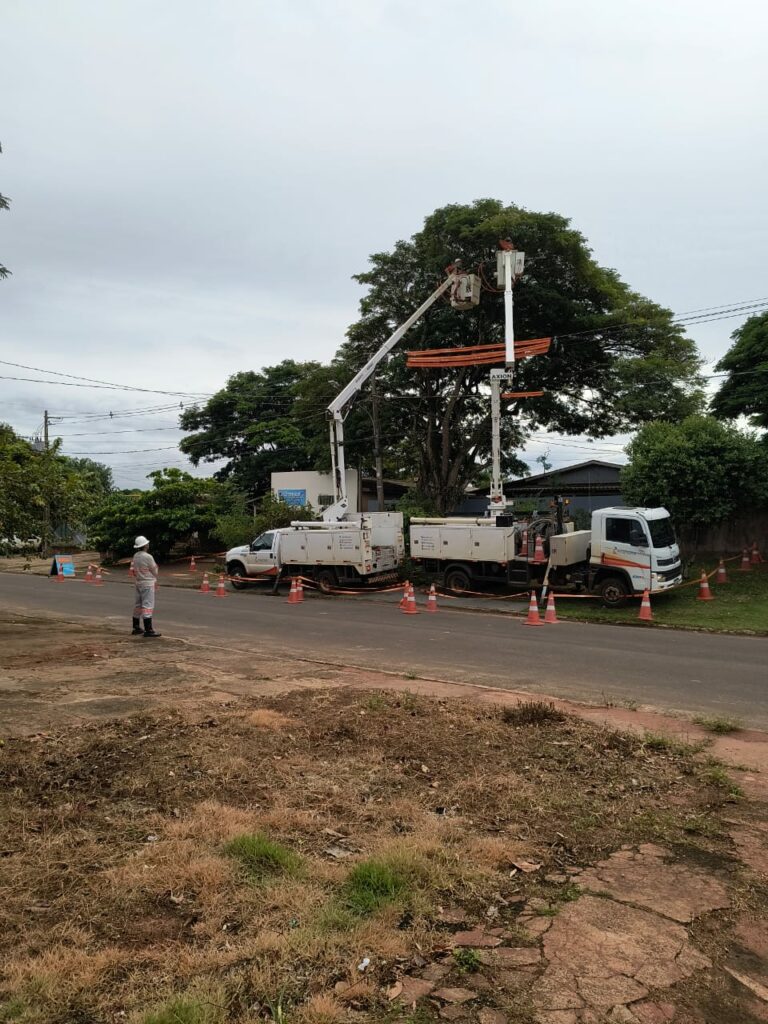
47,507
377,454
510,265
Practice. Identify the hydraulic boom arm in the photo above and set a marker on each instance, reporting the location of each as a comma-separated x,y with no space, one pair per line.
339,407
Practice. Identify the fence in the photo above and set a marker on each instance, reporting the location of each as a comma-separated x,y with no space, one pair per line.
730,536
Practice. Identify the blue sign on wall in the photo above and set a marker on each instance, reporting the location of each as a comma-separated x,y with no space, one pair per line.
293,496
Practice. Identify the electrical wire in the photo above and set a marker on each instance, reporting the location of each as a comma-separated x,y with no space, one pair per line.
104,383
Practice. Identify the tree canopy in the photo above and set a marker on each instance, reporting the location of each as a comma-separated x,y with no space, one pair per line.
618,360
43,491
745,392
701,470
177,506
250,423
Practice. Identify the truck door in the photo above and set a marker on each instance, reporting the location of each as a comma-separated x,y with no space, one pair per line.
262,560
626,546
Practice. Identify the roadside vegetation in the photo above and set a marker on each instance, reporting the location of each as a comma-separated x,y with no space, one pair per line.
740,606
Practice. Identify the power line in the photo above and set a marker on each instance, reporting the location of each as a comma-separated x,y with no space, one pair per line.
102,383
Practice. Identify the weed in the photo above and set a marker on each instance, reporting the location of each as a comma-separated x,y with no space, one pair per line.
409,675
373,884
532,712
467,960
12,1010
184,1011
670,745
718,724
716,775
277,1008
630,705
262,857
376,702
335,918
568,894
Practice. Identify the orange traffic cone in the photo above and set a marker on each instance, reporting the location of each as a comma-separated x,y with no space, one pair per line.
220,589
300,589
404,598
646,614
722,575
745,563
538,552
59,572
432,599
89,574
97,580
192,566
410,603
205,585
533,612
293,597
524,547
551,615
755,558
704,594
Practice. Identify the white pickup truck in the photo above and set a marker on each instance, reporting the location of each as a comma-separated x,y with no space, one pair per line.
361,549
627,551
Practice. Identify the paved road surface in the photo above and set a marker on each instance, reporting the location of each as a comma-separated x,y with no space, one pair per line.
693,672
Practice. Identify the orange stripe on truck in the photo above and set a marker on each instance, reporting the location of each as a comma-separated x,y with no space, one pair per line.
613,560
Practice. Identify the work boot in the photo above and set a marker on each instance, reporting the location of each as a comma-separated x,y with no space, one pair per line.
137,630
148,631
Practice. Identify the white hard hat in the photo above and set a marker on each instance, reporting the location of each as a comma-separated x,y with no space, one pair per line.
140,542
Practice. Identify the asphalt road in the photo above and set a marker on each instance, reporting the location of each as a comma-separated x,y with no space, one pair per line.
671,670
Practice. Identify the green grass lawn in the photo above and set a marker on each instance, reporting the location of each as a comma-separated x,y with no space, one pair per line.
741,605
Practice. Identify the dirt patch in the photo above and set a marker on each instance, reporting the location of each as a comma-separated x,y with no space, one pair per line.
471,834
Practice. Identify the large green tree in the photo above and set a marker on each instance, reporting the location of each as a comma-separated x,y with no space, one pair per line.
745,392
43,491
251,423
701,470
618,359
175,507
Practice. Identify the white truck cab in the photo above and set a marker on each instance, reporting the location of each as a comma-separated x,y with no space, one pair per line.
632,550
259,558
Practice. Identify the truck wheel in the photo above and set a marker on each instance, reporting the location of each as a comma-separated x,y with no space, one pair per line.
457,579
325,580
613,591
237,575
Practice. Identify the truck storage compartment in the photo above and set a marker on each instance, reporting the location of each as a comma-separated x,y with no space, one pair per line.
569,548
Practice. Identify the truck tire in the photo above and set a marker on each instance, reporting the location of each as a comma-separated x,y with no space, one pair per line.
234,570
457,578
326,580
613,590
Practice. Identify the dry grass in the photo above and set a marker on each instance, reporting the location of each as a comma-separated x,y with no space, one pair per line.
120,895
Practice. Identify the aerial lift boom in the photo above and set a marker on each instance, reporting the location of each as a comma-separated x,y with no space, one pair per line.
339,407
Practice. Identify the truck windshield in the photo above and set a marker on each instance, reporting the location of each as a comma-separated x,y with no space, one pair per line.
662,533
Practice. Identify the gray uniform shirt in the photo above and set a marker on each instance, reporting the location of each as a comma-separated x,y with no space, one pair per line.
145,567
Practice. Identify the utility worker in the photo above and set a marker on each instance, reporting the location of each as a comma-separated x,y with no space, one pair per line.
144,569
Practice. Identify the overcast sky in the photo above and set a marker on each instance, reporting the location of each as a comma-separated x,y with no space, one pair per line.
194,183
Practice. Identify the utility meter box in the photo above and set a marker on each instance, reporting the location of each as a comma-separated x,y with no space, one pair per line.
466,292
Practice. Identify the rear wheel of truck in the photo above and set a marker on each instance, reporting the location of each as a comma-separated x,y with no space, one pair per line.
613,592
237,575
326,580
457,579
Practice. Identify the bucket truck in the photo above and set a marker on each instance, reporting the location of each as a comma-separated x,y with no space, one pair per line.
345,548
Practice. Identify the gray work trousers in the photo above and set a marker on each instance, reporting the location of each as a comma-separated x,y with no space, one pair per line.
145,599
